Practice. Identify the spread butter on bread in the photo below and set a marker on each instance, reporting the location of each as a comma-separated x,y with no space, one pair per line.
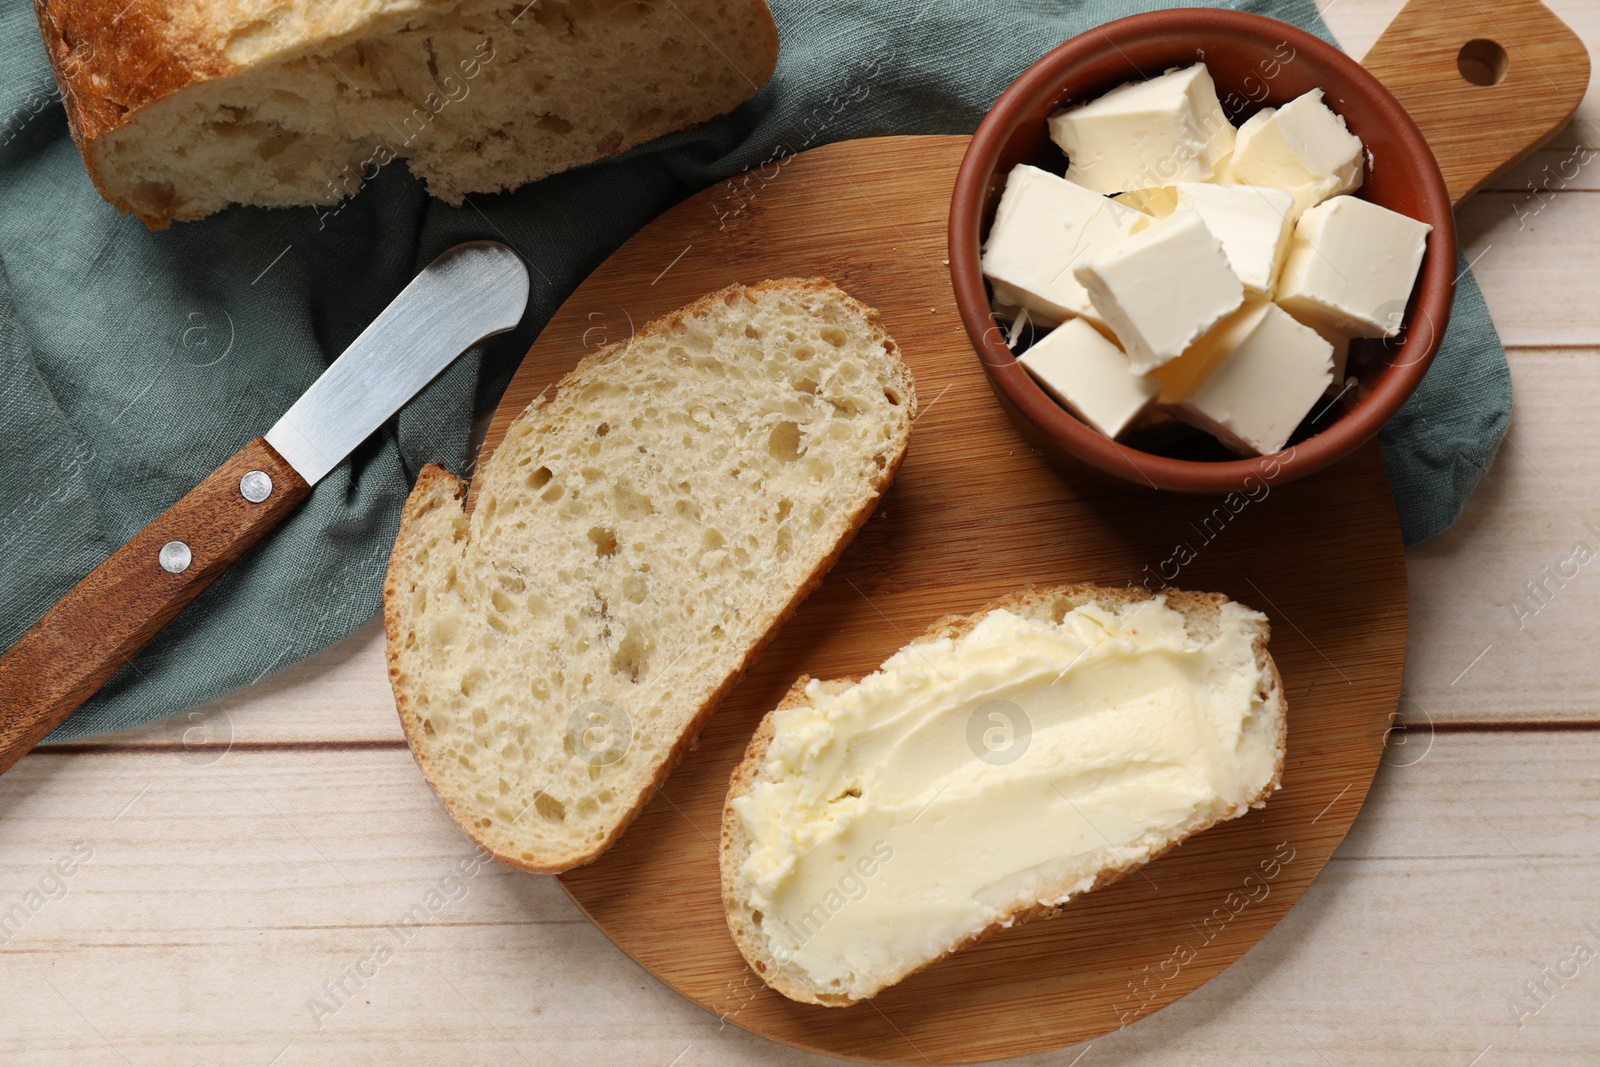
989,772
636,539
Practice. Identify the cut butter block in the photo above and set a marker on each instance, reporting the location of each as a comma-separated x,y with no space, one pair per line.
1162,287
1341,357
1274,370
1144,134
1252,222
1090,376
997,767
1181,377
1351,267
1302,148
1159,200
1043,227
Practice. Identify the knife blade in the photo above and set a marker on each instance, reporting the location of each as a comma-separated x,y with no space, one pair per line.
471,292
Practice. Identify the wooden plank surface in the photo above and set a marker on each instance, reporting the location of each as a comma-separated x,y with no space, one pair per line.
1469,872
1497,652
220,899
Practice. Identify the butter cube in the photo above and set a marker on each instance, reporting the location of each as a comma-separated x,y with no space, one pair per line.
1252,222
1159,201
1272,372
1044,226
1341,358
1090,376
1181,377
1147,133
1351,267
1162,287
1302,148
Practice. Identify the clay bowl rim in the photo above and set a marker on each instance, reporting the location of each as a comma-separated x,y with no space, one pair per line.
1049,79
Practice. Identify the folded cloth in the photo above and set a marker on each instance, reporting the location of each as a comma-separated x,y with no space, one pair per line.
134,362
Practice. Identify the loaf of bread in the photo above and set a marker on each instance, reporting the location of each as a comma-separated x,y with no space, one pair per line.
182,108
637,538
989,772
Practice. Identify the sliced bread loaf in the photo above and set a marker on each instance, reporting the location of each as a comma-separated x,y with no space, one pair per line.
989,772
637,538
182,108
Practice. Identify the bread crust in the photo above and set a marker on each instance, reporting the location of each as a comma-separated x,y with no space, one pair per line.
735,843
436,486
112,58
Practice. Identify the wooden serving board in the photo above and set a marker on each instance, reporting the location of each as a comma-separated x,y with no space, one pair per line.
974,514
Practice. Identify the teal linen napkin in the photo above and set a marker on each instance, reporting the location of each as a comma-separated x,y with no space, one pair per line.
133,363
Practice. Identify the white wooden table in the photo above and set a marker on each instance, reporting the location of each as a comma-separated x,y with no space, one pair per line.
221,894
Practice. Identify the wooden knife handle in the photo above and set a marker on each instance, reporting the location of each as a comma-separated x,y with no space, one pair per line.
1531,72
97,627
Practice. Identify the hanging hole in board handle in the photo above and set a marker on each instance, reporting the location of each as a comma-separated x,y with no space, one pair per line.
1463,112
1482,61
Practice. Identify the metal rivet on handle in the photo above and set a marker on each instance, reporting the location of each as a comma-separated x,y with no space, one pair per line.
175,557
256,486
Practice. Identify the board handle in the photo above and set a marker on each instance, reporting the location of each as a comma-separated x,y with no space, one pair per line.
1487,81
97,627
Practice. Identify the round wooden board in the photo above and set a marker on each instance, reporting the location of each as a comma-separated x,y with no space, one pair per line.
974,514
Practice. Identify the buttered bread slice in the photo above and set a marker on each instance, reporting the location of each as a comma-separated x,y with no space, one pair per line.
989,772
638,537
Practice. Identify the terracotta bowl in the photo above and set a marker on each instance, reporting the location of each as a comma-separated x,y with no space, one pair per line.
1256,62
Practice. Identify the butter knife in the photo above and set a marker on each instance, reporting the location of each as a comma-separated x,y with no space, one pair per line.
473,291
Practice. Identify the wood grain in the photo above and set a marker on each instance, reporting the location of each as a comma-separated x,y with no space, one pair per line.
1515,642
1480,131
1523,247
97,627
221,895
975,513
